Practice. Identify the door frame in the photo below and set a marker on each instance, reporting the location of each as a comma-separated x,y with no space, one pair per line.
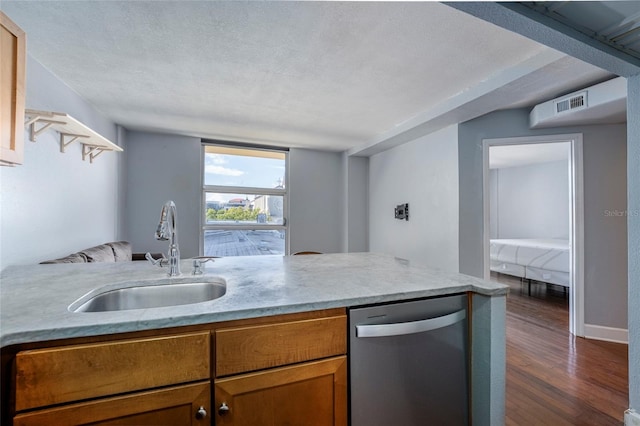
576,214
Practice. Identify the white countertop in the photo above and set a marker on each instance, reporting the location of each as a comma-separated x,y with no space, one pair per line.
34,299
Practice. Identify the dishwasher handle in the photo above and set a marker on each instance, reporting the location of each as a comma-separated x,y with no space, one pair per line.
411,327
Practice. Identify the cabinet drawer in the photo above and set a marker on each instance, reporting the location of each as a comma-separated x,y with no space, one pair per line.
175,406
72,373
243,349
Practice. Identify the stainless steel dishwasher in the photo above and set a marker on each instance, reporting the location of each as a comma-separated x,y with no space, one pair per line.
408,363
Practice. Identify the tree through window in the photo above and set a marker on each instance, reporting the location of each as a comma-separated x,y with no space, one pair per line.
244,201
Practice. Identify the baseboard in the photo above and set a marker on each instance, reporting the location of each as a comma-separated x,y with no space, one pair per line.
608,334
631,418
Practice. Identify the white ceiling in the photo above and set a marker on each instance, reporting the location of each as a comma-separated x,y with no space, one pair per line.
503,156
328,75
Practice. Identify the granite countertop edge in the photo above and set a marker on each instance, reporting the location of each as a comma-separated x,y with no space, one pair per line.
256,287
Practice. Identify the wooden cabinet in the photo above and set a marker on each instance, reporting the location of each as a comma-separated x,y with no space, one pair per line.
288,373
12,91
175,406
288,369
121,382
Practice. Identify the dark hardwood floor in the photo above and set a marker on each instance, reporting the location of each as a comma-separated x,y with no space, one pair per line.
554,378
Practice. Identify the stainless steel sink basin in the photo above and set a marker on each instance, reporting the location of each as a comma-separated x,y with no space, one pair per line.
144,296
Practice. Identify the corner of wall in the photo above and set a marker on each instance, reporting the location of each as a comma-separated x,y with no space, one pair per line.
79,197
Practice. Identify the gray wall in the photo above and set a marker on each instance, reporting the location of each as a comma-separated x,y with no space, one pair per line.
605,190
316,201
423,173
56,204
358,202
633,223
532,201
163,167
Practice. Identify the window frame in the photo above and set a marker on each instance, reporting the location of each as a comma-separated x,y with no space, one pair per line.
247,190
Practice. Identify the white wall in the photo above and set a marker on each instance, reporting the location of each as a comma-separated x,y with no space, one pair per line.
633,224
316,201
423,173
532,201
56,204
163,167
605,188
493,203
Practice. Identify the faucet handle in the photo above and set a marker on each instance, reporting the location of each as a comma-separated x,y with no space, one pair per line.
158,262
197,264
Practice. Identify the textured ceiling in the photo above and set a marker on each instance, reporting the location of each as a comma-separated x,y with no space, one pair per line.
329,75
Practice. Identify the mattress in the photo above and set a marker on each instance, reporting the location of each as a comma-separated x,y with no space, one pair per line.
547,254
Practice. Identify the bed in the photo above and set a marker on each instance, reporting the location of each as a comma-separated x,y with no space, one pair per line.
540,259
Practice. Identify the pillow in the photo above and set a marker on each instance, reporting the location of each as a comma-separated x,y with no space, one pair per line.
121,251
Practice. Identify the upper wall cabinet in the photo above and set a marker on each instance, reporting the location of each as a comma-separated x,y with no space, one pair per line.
12,91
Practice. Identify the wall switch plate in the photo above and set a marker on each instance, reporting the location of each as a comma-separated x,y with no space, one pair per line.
402,211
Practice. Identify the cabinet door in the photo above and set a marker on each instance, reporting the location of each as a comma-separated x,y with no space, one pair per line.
310,394
177,406
12,95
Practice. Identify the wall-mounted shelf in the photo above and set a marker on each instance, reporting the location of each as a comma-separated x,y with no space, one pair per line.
70,130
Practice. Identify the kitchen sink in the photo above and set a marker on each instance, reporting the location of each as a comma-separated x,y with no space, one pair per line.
150,295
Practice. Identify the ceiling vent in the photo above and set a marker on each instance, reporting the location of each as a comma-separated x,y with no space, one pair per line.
604,103
572,103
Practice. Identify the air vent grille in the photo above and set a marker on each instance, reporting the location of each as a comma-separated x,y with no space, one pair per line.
572,103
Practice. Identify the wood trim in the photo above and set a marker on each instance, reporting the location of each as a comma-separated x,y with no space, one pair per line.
243,349
194,396
606,334
12,92
53,376
576,226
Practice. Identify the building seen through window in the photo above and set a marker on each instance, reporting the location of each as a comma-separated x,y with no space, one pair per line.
244,201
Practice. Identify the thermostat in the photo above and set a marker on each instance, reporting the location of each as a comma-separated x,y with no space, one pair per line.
402,211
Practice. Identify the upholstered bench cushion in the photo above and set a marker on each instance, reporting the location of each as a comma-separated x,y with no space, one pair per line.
101,253
121,251
72,258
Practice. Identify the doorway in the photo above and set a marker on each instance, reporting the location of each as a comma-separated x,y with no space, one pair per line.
576,216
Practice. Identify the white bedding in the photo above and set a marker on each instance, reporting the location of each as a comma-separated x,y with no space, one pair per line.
547,254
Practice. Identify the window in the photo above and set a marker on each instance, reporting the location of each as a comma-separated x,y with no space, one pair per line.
244,201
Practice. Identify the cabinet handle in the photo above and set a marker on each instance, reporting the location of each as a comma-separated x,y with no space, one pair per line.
223,409
201,413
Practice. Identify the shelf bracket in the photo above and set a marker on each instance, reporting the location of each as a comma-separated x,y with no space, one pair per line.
64,145
71,130
33,132
92,151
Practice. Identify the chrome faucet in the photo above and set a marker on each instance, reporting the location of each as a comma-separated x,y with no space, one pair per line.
168,230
